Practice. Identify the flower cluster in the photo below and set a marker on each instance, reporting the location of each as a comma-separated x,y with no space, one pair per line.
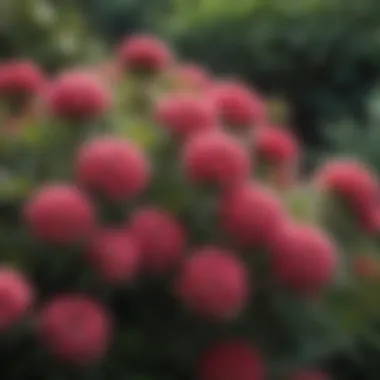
221,153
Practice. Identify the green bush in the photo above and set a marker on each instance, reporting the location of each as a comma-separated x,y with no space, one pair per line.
350,138
322,55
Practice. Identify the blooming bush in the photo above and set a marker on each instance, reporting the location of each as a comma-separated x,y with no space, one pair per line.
154,225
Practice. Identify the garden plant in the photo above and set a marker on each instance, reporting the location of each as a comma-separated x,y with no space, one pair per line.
154,225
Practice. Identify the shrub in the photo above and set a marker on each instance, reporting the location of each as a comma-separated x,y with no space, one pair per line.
148,234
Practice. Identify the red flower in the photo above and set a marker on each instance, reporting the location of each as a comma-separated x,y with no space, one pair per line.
276,146
250,214
144,53
233,359
192,76
59,214
161,239
354,184
114,255
238,106
16,296
215,158
78,96
303,257
310,375
112,167
185,114
214,283
20,79
75,329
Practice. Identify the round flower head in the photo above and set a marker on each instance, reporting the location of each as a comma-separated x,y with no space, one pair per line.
144,54
182,115
275,146
213,283
112,167
20,79
59,214
303,257
160,237
78,96
75,329
114,256
250,214
215,158
238,106
16,297
353,184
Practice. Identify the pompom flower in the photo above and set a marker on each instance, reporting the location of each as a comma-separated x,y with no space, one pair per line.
213,283
160,237
183,114
20,79
114,256
144,54
238,106
78,96
355,186
112,167
275,146
250,214
215,158
303,258
59,214
16,297
75,329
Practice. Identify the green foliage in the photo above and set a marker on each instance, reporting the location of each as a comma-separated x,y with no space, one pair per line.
322,56
115,18
351,138
50,32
